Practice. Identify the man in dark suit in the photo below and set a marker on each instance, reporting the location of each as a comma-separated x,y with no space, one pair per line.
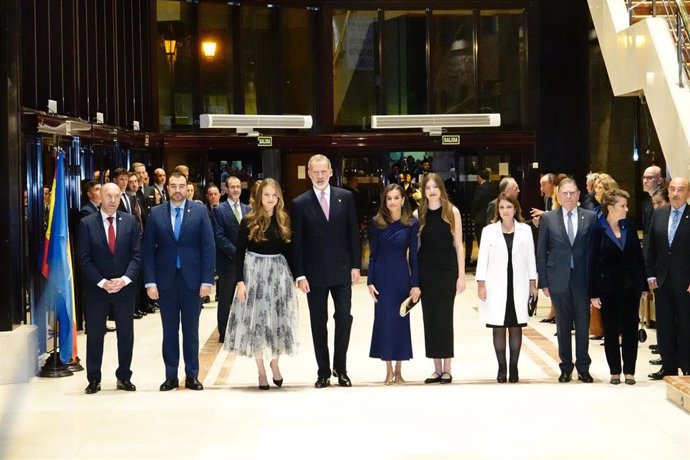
178,272
110,257
546,188
651,182
563,275
327,258
159,178
121,178
226,224
485,192
145,193
668,272
93,195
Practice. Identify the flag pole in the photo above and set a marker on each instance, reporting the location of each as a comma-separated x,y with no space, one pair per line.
53,367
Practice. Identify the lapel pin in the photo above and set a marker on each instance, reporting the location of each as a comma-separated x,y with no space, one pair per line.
339,200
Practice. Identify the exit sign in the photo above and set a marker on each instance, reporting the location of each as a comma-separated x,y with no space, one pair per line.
265,141
450,139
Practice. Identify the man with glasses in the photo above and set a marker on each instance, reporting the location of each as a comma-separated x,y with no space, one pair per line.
563,276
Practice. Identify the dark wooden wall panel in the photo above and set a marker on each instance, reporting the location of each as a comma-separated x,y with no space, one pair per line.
90,56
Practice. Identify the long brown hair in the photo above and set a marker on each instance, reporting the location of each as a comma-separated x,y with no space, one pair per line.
446,205
258,219
512,200
383,216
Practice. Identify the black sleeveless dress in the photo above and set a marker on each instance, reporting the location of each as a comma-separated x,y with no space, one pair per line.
438,274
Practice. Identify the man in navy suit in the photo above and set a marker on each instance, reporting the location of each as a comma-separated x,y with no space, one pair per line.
178,272
93,194
668,272
110,258
563,275
327,258
226,224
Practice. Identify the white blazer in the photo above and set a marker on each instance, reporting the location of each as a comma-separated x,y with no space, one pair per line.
492,268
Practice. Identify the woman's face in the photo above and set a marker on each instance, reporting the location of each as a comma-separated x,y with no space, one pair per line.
619,209
408,178
190,192
269,198
506,210
394,201
431,191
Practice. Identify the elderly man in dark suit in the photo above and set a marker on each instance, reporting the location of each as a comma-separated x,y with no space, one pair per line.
178,272
563,275
110,257
226,224
668,272
327,258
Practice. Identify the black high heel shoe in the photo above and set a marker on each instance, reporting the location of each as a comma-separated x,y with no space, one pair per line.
501,378
278,383
263,387
513,378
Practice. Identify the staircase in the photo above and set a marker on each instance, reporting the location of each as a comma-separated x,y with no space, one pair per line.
638,42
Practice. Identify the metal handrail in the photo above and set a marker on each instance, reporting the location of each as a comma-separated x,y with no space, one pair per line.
679,20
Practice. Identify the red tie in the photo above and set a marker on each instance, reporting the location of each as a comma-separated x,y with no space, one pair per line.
111,236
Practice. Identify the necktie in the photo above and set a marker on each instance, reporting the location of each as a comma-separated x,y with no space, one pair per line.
236,210
571,236
674,226
176,230
324,204
111,236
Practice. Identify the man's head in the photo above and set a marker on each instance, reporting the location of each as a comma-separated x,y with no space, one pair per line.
591,179
132,182
177,188
46,196
159,176
483,176
352,180
212,195
568,194
110,198
651,179
426,166
93,191
190,191
546,184
234,187
509,186
319,170
678,191
121,178
140,170
184,170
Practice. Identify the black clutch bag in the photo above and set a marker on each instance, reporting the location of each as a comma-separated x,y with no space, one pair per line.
532,304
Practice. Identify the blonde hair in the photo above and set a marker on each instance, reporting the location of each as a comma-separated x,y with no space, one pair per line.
446,205
258,220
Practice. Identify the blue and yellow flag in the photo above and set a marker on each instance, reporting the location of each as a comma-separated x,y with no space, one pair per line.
56,266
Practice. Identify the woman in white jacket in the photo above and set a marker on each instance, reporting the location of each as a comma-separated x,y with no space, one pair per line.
506,276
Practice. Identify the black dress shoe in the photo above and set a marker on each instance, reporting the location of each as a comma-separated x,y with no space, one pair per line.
446,380
93,387
149,309
501,378
193,383
654,346
109,329
343,379
170,384
322,382
656,362
126,385
138,315
565,377
661,373
585,377
655,351
278,383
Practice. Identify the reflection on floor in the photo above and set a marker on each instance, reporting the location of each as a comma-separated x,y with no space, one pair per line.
474,417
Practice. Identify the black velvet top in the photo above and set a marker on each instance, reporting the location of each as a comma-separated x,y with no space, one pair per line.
274,244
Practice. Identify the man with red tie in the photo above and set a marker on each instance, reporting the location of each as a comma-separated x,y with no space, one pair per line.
110,258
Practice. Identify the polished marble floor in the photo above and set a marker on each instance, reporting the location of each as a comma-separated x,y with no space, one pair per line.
473,418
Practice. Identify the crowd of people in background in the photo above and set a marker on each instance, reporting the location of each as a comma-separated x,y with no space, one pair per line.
154,247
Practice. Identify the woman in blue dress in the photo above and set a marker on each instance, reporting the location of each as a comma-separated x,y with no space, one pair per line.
392,278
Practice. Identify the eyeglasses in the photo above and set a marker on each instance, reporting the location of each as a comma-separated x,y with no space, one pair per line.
650,177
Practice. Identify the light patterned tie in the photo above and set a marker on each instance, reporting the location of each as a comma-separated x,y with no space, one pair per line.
674,226
324,204
236,210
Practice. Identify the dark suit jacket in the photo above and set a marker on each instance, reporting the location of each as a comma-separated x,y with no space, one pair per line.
554,251
195,247
325,251
483,195
225,228
147,199
615,266
87,210
121,206
589,202
662,259
97,262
